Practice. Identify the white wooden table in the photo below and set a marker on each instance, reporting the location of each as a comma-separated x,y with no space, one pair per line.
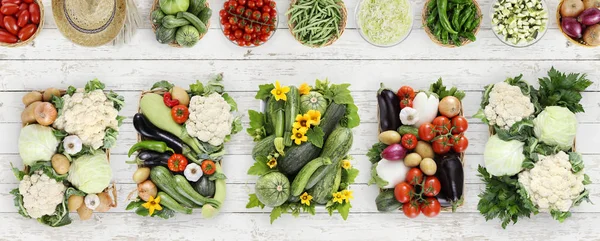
53,61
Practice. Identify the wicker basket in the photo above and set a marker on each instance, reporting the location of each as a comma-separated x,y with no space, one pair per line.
574,41
155,6
464,41
39,29
462,159
334,38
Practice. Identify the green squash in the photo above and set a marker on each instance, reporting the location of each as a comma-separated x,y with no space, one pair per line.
313,101
273,189
187,36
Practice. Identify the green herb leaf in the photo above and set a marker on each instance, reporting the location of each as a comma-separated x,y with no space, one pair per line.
217,176
559,89
560,216
254,202
110,138
344,209
348,176
118,100
230,101
260,167
134,205
264,91
375,179
257,122
374,154
351,119
576,162
94,84
71,90
120,120
163,84
276,213
439,89
315,136
18,173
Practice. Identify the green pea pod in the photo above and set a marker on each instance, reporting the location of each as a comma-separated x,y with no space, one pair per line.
456,17
468,35
465,17
442,6
455,39
157,146
444,36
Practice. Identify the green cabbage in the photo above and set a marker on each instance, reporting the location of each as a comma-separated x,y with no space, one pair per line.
503,157
37,143
556,126
90,173
385,22
171,7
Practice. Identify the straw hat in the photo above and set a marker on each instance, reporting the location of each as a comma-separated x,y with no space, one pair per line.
89,22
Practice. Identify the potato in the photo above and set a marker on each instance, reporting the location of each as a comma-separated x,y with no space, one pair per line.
106,202
412,160
48,93
146,190
28,115
141,174
424,149
60,163
84,212
31,97
74,202
389,137
181,95
45,113
428,166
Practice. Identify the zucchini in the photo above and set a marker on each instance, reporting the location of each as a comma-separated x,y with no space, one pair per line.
386,201
297,156
195,21
403,130
205,186
209,211
165,182
170,203
317,176
196,6
338,144
205,15
322,191
185,189
304,175
264,147
187,36
165,35
292,108
275,112
171,21
157,16
337,181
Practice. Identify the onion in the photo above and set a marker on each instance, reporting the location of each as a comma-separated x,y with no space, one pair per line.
571,8
591,4
571,27
147,189
393,152
592,35
589,16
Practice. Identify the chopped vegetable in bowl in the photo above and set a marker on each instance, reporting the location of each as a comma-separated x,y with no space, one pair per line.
519,23
384,23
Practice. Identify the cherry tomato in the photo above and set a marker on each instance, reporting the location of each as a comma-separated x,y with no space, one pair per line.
409,141
256,42
240,9
28,1
442,125
226,31
414,176
459,124
248,13
1,21
249,29
431,207
223,13
9,8
266,17
406,92
233,20
227,26
432,186
238,34
263,37
411,210
405,103
23,19
10,24
242,2
459,143
242,24
259,3
251,4
265,30
273,14
6,37
34,13
226,5
17,2
231,37
426,132
26,32
247,37
256,15
403,192
234,27
272,4
441,145
224,20
266,9
257,28
233,4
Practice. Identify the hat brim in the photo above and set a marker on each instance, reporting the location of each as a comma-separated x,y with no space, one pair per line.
89,39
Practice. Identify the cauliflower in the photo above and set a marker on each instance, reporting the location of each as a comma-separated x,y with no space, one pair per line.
87,115
41,194
507,105
210,119
551,184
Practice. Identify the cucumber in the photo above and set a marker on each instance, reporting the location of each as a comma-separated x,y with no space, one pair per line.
403,130
292,108
196,6
185,189
209,211
165,35
304,175
205,15
195,21
164,180
170,203
276,112
171,21
157,16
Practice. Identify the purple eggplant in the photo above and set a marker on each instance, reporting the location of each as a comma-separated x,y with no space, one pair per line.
589,16
572,28
389,109
452,177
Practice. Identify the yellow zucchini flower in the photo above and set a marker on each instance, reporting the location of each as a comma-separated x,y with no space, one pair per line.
298,136
346,164
304,89
305,198
347,195
280,91
338,197
152,204
303,122
272,163
314,116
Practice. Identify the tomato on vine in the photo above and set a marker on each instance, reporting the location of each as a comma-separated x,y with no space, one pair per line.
459,143
411,209
431,207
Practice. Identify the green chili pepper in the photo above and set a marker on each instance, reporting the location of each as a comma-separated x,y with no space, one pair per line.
455,39
465,17
473,24
437,30
469,36
456,16
461,1
431,5
432,17
442,7
444,36
157,146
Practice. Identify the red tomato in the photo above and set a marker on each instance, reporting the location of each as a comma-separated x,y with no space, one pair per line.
23,19
240,9
256,15
242,24
238,34
273,14
431,207
459,143
251,4
10,24
409,141
233,5
234,27
23,6
231,37
426,132
414,176
223,13
226,32
441,145
28,1
1,21
411,210
272,4
233,20
256,42
259,3
459,124
266,9
9,8
26,32
265,30
248,13
247,37
432,186
34,12
263,37
227,26
405,103
257,28
226,5
242,2
17,2
266,17
403,192
406,92
442,125
249,29
7,37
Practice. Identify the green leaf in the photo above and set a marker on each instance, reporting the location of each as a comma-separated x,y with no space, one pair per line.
375,179
230,101
71,90
110,138
257,122
72,191
586,179
142,211
18,202
254,202
351,119
560,216
165,213
264,91
260,167
321,86
118,100
163,84
519,131
344,209
59,218
120,120
276,213
59,134
559,89
47,169
58,102
217,176
197,88
215,85
439,89
374,154
315,136
94,84
134,205
481,115
18,173
348,176
576,162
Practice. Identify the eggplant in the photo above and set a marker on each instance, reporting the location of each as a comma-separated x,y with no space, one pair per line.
152,155
451,175
389,109
384,122
148,130
155,162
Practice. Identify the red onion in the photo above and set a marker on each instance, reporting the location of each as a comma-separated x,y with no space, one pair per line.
393,152
571,27
589,16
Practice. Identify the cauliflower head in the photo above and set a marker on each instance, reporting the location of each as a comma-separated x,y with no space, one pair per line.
210,119
41,194
551,184
88,115
507,105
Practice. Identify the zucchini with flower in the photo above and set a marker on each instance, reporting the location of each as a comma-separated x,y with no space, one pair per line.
301,151
64,146
182,135
530,156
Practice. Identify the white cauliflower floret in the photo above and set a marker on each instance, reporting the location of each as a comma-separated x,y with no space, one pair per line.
41,194
551,184
87,115
210,119
507,105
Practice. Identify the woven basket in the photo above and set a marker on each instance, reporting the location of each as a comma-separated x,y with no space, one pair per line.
574,41
462,159
155,6
334,38
464,41
39,29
